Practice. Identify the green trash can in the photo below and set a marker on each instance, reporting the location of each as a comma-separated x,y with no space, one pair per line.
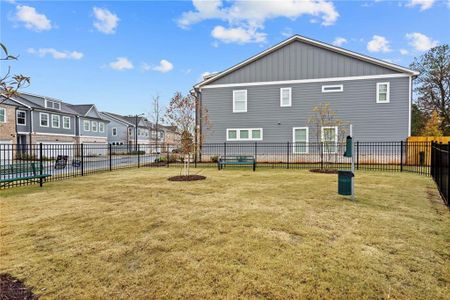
345,182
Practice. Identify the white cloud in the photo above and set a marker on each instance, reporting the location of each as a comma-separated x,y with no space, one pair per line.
237,35
32,19
164,66
424,4
378,44
339,41
121,63
56,54
106,21
250,16
404,52
420,41
204,74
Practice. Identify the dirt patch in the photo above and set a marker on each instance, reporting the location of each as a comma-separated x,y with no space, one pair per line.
186,178
324,171
12,288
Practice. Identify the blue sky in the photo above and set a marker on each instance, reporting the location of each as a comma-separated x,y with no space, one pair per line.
120,54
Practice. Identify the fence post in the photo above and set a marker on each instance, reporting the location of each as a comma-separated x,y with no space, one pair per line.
82,159
401,156
357,155
432,160
287,166
195,155
41,166
256,151
139,155
168,156
110,157
321,155
225,149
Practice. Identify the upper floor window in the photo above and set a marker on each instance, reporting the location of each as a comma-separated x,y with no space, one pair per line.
53,104
2,115
21,117
332,88
43,119
66,122
240,101
94,126
56,121
101,127
383,92
330,139
114,131
86,125
245,134
286,97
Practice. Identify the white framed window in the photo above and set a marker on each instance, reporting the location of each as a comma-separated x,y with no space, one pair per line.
101,127
94,126
300,137
86,125
329,139
239,101
383,92
2,115
43,119
66,122
244,134
56,121
332,88
52,104
286,97
114,131
21,117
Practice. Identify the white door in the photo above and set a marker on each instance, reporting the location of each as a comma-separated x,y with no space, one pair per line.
6,152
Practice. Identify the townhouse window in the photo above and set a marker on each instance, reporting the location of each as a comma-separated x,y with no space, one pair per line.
56,121
285,97
240,101
53,104
300,139
86,125
21,117
43,119
114,131
329,139
94,126
66,122
101,127
245,134
2,115
383,92
332,88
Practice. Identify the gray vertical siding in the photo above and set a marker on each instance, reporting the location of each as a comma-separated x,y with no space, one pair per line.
356,104
299,60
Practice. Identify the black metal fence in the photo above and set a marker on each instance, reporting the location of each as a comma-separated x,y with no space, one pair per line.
440,168
63,161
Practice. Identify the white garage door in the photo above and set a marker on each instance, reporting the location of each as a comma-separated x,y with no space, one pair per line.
95,149
53,149
6,152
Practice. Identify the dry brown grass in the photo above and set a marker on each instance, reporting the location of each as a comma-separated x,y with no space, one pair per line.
132,234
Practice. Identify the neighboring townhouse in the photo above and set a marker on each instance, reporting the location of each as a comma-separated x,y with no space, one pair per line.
142,129
9,112
171,137
270,96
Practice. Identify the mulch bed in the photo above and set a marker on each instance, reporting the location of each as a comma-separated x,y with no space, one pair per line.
186,178
324,171
13,289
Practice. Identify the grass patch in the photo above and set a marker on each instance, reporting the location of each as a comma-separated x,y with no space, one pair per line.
264,234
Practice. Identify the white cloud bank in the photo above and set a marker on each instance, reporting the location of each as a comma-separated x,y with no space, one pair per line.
121,64
339,41
164,66
423,4
32,19
105,21
378,44
420,41
56,54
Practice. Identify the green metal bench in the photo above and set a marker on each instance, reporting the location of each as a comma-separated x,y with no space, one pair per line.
22,171
236,160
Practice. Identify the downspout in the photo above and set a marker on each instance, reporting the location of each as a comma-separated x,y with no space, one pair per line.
31,125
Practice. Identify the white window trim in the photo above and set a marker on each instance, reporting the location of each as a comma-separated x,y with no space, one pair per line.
335,134
238,134
40,119
96,126
112,131
388,92
46,104
84,127
294,141
59,121
66,118
290,97
17,117
4,114
234,101
101,127
339,88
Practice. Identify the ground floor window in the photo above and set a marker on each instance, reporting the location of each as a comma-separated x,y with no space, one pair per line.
245,134
329,139
300,139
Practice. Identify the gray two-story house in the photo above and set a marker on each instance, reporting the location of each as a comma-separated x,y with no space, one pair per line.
270,96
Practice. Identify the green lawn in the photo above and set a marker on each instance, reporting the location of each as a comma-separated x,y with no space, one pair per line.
267,234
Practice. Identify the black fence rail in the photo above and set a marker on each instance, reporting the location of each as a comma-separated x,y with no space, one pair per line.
440,169
63,161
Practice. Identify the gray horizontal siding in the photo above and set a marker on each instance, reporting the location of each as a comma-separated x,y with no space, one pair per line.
39,129
82,132
356,104
301,61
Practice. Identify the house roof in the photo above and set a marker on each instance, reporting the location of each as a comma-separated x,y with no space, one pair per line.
116,117
313,42
82,109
